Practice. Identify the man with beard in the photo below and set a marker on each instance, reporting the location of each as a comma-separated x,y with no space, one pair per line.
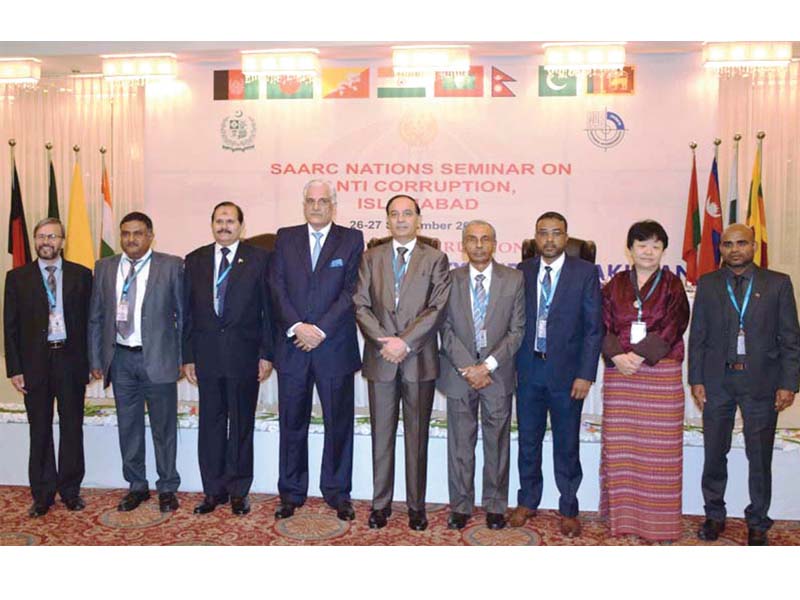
134,342
744,350
45,317
227,353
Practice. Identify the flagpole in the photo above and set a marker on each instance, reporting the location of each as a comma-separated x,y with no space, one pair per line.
11,143
717,142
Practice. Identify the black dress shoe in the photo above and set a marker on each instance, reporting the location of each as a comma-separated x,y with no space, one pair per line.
209,503
167,502
75,504
710,529
240,505
377,518
38,509
495,520
756,537
132,500
285,510
417,520
457,520
345,511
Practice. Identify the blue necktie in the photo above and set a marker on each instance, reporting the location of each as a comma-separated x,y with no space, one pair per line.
317,249
223,286
547,284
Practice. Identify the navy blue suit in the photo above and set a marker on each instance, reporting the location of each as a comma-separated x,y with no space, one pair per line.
322,297
574,338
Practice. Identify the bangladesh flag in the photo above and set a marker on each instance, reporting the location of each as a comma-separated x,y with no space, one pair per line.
290,88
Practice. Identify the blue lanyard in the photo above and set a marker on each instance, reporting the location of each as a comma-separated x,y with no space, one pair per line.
639,301
127,284
549,298
746,301
223,275
484,305
51,299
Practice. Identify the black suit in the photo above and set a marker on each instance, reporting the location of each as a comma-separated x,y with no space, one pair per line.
61,373
771,362
225,350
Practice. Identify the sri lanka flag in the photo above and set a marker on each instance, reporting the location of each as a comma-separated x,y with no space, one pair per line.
712,225
691,231
756,216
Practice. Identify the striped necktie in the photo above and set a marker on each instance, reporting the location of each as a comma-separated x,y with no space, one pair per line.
479,307
547,285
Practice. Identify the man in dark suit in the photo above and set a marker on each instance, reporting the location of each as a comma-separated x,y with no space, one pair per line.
135,342
481,334
45,315
400,299
227,351
313,274
744,350
556,366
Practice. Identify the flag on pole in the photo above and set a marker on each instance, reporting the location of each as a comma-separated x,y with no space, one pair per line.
79,246
52,194
712,224
18,246
107,239
756,216
733,185
691,231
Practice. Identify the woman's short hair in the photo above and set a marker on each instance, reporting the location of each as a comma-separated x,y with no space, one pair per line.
642,231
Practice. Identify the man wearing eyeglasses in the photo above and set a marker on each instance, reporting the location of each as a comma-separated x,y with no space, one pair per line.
135,342
45,315
312,279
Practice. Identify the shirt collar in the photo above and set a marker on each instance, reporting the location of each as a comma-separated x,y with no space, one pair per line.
233,247
410,245
487,273
556,266
324,231
58,265
141,260
746,274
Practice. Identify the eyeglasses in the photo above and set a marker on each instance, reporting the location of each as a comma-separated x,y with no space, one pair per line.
48,237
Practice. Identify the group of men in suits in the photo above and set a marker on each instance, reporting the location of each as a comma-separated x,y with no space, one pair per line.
221,316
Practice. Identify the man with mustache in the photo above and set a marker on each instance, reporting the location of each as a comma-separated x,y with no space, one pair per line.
135,342
227,353
744,350
45,317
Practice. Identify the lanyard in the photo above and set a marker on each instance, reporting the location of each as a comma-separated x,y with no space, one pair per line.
51,299
549,298
223,275
483,305
639,304
746,301
127,283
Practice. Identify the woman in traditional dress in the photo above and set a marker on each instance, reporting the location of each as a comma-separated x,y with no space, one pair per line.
645,312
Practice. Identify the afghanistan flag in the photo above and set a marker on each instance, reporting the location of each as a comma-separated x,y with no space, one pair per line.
756,216
232,85
469,85
691,231
18,246
290,88
712,225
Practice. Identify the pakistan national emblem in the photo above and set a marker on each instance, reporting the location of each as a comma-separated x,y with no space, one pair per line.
238,132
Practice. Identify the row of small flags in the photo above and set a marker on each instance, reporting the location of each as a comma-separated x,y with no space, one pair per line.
701,246
354,82
78,245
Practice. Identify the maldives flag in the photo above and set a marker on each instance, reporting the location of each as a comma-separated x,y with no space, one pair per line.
691,231
712,225
18,245
469,85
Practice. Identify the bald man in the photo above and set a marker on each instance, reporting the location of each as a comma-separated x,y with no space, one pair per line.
744,350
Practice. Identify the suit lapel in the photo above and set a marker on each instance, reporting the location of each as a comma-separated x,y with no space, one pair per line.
755,296
41,304
331,243
417,256
532,293
109,282
68,282
303,249
563,281
495,291
388,276
152,278
464,285
238,265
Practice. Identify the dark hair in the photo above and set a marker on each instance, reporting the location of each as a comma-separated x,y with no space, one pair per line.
137,216
642,231
553,215
393,198
226,203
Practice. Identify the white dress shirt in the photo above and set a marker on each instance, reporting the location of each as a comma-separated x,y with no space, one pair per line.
217,260
135,339
312,241
491,361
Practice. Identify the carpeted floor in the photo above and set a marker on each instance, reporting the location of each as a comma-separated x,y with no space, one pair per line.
313,524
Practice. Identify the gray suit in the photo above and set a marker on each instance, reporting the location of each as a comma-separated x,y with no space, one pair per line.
416,319
145,374
505,326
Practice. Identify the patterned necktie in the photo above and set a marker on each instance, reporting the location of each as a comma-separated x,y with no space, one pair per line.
547,284
317,249
479,307
223,285
399,272
51,283
126,328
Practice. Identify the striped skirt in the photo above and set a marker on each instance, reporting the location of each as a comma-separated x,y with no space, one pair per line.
641,462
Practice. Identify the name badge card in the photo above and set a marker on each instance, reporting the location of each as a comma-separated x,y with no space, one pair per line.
541,329
740,347
638,331
56,326
122,310
482,339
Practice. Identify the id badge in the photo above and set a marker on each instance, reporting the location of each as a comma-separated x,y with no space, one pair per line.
482,339
122,310
541,328
740,347
638,331
56,326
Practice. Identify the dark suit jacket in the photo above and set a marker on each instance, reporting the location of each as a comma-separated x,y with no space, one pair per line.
229,345
504,324
162,317
417,317
770,323
26,318
323,298
574,325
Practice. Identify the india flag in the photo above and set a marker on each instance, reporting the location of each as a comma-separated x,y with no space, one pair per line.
107,240
390,86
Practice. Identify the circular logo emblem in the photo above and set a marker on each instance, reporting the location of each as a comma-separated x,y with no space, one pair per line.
238,132
605,128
